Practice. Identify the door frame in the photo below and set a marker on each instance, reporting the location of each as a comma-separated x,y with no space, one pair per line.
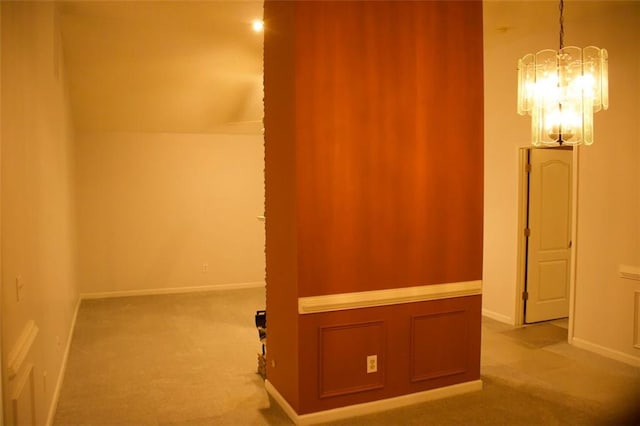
523,188
3,384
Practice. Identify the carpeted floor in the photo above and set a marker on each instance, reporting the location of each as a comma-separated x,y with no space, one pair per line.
191,360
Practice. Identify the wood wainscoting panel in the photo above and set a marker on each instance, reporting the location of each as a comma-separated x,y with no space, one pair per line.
420,346
439,345
343,358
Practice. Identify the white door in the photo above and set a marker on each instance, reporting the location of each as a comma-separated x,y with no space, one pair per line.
549,242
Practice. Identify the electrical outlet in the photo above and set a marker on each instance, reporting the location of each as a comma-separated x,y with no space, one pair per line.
205,267
372,363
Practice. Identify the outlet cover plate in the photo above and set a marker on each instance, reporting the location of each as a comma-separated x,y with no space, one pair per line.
372,363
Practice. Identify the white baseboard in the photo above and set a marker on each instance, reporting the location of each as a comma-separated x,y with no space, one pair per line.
63,367
172,290
282,402
606,352
498,317
371,407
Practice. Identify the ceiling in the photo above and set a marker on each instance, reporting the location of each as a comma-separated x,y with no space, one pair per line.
182,66
164,66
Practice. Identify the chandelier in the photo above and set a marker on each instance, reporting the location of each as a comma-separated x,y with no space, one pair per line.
561,90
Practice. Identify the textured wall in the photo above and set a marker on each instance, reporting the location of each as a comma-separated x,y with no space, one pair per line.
280,198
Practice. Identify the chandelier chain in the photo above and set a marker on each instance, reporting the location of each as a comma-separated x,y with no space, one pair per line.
561,7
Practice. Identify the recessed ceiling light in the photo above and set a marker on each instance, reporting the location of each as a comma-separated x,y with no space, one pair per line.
257,25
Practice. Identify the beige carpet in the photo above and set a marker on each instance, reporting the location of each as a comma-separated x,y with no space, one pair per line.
191,360
174,359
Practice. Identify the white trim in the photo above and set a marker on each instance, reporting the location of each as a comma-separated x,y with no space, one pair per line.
521,240
373,406
281,401
629,272
573,268
498,317
63,367
606,352
2,305
523,185
21,349
367,299
21,382
172,290
636,319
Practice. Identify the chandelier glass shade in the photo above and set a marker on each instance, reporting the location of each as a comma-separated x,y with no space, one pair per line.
561,90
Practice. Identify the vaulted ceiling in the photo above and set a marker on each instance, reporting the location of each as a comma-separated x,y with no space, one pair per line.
164,66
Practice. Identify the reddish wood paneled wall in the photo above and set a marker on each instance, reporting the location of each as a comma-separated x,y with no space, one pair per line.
389,128
374,154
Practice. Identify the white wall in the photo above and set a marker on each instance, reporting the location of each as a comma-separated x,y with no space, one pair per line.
38,224
609,198
154,207
609,183
508,35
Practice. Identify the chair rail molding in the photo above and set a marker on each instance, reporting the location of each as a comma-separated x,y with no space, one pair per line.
367,299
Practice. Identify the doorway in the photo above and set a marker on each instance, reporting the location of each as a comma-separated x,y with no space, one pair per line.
546,245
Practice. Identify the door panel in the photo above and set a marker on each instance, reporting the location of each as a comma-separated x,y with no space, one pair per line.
552,273
549,243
